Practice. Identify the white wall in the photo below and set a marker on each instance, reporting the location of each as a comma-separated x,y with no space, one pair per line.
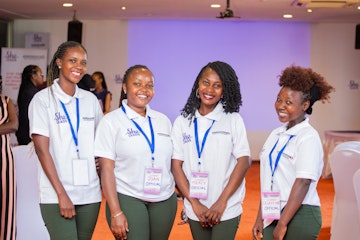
333,54
105,41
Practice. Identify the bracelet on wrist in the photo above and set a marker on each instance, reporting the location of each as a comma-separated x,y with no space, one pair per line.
117,214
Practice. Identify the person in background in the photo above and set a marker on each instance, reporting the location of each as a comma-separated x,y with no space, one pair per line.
134,146
291,161
86,83
32,80
8,124
63,119
211,153
101,91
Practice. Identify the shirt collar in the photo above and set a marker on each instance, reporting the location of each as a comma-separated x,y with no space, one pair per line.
295,129
131,114
214,114
62,96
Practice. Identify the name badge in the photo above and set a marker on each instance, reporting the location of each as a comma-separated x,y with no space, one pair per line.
270,203
152,181
199,185
80,172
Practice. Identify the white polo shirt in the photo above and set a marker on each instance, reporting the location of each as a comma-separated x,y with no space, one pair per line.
226,142
47,118
302,158
117,138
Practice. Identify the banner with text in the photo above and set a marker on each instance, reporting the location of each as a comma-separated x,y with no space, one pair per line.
13,61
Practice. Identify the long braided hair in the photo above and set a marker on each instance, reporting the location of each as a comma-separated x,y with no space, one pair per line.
125,78
53,71
26,76
231,98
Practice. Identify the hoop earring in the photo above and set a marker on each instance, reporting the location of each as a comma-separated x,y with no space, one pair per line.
197,93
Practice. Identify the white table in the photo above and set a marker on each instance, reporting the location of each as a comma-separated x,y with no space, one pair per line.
331,139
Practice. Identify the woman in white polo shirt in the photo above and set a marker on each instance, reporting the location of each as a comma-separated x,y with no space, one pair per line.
291,161
63,119
134,147
211,154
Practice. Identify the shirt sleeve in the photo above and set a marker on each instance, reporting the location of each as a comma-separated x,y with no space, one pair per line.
105,139
38,117
309,154
240,140
176,137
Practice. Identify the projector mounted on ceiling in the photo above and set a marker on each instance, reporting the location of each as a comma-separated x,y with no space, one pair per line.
325,3
228,13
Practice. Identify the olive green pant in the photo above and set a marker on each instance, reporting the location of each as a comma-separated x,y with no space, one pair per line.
80,227
226,230
305,225
147,220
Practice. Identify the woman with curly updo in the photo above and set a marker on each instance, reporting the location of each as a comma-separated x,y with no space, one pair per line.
291,161
211,154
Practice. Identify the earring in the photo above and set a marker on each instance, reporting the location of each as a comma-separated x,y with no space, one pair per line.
197,93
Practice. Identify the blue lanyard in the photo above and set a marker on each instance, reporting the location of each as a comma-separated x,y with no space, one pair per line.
74,135
277,158
152,143
199,150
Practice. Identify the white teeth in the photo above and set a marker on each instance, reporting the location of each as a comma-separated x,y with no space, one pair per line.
142,96
208,96
76,73
282,114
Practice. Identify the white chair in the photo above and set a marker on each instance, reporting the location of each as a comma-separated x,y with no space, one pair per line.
345,161
356,182
351,145
30,224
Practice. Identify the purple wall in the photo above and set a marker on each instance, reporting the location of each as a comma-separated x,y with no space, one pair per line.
175,51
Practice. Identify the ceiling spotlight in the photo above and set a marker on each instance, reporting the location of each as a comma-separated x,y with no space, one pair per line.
287,16
215,5
123,8
67,5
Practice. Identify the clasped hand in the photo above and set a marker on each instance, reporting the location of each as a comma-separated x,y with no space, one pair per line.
208,217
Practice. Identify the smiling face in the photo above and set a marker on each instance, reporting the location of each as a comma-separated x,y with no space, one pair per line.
72,66
290,106
139,89
210,91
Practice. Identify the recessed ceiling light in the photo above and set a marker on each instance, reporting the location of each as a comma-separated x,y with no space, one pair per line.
123,8
287,16
215,5
309,10
67,4
358,7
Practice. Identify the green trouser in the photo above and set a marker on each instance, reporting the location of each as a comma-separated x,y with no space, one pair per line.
147,220
80,227
305,225
226,230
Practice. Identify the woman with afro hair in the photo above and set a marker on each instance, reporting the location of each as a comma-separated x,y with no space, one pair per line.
211,154
291,161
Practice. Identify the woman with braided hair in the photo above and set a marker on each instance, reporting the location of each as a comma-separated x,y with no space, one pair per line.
291,161
63,119
211,154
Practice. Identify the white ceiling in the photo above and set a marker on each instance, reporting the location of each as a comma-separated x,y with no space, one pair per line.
248,10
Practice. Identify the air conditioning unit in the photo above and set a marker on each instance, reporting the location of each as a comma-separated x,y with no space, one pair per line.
325,3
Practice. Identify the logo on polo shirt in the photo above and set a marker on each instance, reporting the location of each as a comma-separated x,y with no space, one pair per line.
186,138
60,119
132,133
